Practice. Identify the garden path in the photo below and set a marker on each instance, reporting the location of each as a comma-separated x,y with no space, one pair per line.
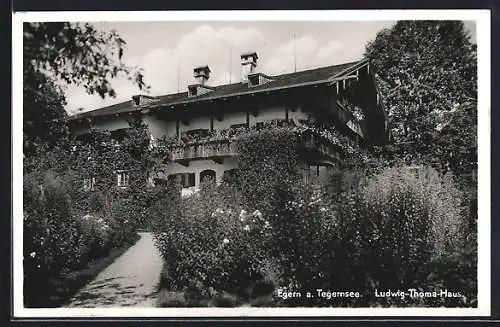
129,281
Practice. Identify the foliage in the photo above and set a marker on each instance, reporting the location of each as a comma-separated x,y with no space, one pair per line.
394,230
77,54
213,244
44,116
270,157
427,75
301,227
397,229
67,226
49,236
58,53
95,236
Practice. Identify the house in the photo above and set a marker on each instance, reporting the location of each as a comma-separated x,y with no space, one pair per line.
342,97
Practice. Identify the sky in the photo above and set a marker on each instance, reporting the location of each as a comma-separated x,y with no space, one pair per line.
168,52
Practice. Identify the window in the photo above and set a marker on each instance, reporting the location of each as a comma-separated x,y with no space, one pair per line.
89,183
192,90
122,179
184,179
207,174
253,80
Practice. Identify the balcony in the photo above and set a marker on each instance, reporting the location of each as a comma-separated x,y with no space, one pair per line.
311,146
209,150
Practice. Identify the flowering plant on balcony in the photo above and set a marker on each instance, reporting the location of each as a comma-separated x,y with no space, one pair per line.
219,139
330,135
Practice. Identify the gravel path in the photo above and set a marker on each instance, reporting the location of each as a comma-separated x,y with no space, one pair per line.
129,281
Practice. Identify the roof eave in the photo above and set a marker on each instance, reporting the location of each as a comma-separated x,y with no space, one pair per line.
265,90
354,67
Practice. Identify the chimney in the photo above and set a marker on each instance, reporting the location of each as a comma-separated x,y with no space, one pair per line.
248,65
201,74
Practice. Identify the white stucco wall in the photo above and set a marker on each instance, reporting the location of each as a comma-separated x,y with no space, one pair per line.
267,114
195,123
160,128
230,119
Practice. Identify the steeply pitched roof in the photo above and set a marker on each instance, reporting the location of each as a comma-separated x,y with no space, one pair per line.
297,79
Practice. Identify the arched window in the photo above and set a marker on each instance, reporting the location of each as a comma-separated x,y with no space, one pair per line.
207,174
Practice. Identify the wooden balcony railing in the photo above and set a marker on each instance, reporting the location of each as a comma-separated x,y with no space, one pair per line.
217,149
313,144
205,150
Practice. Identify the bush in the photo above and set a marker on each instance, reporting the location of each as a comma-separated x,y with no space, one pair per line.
301,225
395,229
213,243
94,237
120,216
51,236
66,227
268,161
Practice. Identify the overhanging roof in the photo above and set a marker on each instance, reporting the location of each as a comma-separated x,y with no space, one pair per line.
279,82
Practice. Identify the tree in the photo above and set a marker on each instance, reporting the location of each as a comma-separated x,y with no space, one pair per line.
44,120
71,53
427,74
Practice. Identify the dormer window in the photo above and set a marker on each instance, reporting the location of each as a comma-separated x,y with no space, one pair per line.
140,99
258,79
253,80
197,89
193,90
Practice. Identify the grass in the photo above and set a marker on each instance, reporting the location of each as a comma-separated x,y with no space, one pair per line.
62,289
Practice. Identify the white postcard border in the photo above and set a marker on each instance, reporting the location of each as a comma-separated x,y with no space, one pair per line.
483,31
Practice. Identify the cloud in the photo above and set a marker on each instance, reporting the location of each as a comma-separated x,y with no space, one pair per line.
282,59
168,69
309,53
224,78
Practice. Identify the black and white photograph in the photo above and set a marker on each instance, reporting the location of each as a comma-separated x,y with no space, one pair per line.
240,163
